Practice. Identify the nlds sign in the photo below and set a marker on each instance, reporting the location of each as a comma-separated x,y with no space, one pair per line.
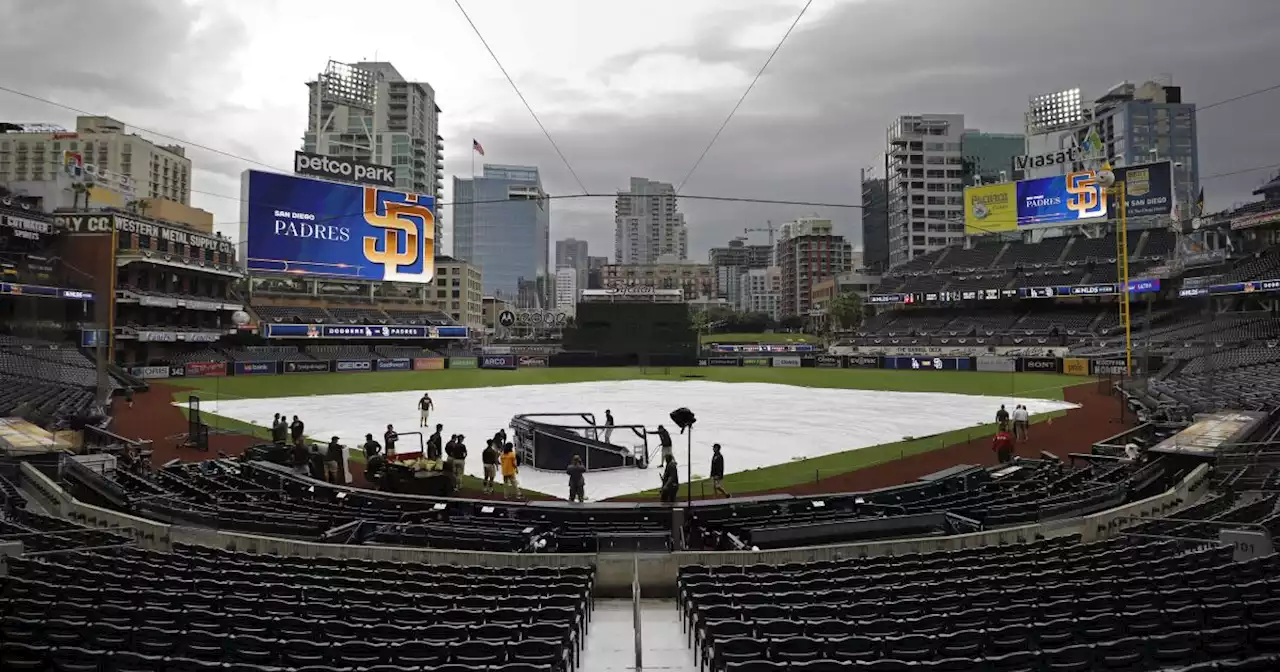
343,168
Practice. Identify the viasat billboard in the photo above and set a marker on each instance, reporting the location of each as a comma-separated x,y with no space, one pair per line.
1061,199
293,224
990,209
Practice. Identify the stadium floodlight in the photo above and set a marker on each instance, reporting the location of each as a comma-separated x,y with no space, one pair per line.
1055,110
350,85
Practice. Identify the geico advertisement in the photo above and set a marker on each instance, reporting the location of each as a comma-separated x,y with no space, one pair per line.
298,225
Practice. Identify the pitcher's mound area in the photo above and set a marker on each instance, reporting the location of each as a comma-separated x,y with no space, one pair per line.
757,424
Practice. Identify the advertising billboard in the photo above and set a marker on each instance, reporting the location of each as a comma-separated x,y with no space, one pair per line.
990,209
306,367
1148,189
1042,364
463,363
343,169
353,365
498,362
787,362
255,368
397,364
362,331
755,361
1061,199
428,364
535,361
829,362
150,372
1075,366
863,361
723,361
298,225
204,369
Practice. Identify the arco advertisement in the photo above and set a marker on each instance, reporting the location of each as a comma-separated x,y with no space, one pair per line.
498,362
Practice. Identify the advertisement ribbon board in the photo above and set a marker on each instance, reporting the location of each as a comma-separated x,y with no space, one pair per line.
306,367
829,362
397,364
205,369
428,364
498,362
1075,366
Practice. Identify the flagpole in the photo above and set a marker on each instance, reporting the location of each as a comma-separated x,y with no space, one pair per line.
473,159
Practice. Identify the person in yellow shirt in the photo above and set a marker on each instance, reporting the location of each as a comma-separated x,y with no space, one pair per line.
510,468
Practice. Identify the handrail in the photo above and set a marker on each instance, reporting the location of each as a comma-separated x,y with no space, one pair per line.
635,611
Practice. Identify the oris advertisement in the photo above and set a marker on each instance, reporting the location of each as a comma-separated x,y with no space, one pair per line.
205,369
255,368
498,362
150,372
829,362
786,362
398,364
353,365
722,361
306,367
862,362
1041,364
535,361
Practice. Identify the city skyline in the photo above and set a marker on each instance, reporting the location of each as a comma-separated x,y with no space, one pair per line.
618,104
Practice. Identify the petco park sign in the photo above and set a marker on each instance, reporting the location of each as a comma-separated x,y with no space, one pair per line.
343,169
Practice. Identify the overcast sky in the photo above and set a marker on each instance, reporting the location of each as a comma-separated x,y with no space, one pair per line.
640,88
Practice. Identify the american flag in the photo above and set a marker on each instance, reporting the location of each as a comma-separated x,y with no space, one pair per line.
477,147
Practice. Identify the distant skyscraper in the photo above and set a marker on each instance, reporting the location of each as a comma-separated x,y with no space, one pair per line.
926,184
572,253
400,130
648,224
501,223
808,252
567,289
875,224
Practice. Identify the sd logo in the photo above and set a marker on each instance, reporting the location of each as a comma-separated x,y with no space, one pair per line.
399,213
1084,196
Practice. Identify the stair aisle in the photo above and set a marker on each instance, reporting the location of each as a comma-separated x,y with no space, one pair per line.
610,646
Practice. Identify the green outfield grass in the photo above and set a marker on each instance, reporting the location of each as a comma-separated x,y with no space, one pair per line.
1037,385
760,338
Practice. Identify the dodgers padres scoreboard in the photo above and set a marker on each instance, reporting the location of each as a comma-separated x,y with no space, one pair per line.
305,226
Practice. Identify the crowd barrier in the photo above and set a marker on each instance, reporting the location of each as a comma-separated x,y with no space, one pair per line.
1074,366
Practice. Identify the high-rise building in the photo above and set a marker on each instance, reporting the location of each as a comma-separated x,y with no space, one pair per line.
120,165
394,123
594,267
458,292
730,262
809,251
1129,125
925,184
989,157
567,289
648,224
573,253
875,223
761,291
501,223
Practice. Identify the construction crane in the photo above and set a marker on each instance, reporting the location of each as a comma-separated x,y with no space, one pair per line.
769,227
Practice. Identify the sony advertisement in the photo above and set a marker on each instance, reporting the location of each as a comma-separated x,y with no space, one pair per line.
303,226
1041,364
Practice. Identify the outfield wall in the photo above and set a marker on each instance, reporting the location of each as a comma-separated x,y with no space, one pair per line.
614,571
1077,366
